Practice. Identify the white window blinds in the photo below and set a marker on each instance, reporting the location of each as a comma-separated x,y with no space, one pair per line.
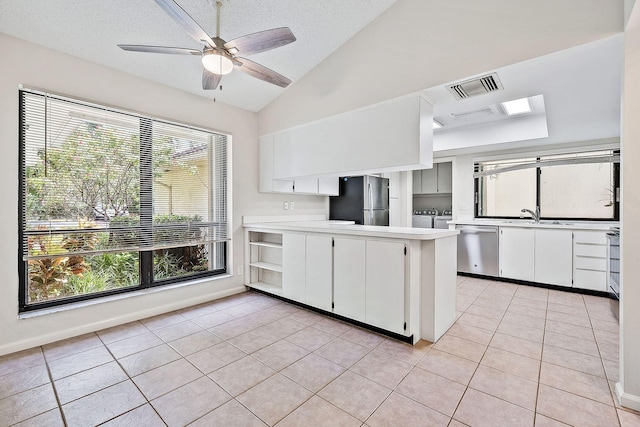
97,180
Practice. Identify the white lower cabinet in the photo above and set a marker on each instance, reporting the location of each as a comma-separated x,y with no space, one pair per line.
385,273
576,258
306,269
349,278
361,279
553,257
590,260
516,247
318,280
293,266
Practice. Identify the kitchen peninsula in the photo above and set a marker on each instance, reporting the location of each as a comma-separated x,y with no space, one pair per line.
397,279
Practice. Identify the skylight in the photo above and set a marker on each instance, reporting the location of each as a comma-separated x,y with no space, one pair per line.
517,106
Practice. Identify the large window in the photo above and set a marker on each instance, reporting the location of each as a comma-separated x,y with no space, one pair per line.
112,201
569,186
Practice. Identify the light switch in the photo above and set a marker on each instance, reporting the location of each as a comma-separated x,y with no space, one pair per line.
285,205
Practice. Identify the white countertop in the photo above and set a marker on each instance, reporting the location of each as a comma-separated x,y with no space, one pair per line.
568,225
349,228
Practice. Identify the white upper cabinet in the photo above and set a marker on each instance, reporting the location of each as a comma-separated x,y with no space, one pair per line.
445,177
329,186
429,178
305,186
435,180
391,136
319,186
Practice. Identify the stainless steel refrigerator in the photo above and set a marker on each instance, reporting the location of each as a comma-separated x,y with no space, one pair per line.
363,199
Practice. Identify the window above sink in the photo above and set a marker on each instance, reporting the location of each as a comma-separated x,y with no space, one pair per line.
574,186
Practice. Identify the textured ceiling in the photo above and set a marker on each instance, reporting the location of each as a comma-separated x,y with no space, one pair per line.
91,29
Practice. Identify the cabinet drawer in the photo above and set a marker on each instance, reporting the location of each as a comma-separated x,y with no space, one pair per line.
587,279
598,237
599,264
590,250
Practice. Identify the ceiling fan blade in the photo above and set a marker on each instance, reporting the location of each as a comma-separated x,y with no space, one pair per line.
210,81
160,49
186,21
261,41
263,73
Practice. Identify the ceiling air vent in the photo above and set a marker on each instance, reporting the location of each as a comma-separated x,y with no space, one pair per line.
475,87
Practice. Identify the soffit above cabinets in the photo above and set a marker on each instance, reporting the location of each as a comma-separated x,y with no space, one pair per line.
574,94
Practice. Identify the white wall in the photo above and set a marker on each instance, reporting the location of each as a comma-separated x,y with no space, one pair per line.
419,44
629,387
41,68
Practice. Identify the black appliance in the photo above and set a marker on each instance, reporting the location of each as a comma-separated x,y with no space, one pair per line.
363,199
613,237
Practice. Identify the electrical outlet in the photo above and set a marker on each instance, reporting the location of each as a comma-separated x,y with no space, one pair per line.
463,206
291,205
285,206
240,271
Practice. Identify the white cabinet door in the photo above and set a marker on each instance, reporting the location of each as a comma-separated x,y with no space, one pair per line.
553,257
329,186
306,186
318,272
293,266
282,186
516,247
349,278
445,176
265,151
417,182
430,180
385,285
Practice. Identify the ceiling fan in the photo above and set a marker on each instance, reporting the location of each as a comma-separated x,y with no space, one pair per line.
220,57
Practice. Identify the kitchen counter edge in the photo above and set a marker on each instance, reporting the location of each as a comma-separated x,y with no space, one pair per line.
526,224
407,233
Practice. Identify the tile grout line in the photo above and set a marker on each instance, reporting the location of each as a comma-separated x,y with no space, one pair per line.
468,386
129,379
544,335
53,386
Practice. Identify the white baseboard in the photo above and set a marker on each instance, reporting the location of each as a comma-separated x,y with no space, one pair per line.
130,317
627,400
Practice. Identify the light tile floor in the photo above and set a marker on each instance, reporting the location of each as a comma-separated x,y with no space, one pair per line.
517,355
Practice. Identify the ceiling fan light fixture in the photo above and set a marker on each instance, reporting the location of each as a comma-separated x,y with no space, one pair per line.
217,62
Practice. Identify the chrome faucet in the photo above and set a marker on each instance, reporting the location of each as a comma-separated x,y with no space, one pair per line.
535,215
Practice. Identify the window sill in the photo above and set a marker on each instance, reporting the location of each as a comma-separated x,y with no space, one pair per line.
110,298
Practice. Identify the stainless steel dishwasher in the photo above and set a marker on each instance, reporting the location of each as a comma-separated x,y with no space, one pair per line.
478,249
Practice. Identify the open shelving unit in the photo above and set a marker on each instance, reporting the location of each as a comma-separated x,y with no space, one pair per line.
265,262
